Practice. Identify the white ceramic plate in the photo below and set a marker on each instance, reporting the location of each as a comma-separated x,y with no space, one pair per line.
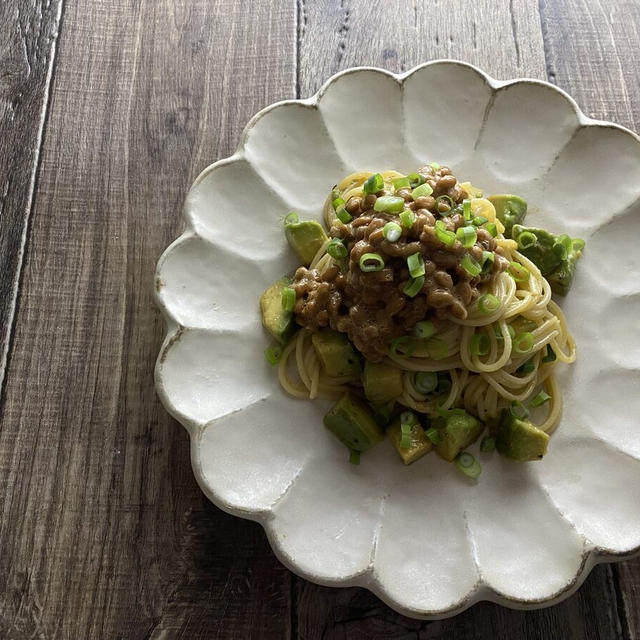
423,538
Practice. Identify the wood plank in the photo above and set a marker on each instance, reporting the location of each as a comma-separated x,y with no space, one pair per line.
28,36
103,530
503,38
356,614
593,52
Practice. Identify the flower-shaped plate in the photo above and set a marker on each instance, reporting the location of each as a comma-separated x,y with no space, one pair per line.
423,538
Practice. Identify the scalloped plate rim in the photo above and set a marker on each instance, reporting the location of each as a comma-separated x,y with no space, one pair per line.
591,555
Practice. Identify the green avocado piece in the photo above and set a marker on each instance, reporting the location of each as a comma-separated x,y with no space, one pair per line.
519,439
541,253
382,382
336,353
351,421
510,210
561,279
460,430
419,443
278,322
305,238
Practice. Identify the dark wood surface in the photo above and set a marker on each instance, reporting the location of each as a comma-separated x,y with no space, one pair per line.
108,110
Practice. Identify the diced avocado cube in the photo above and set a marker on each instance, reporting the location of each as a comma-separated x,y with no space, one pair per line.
278,322
305,238
336,353
459,432
419,444
351,421
382,382
561,279
519,439
510,210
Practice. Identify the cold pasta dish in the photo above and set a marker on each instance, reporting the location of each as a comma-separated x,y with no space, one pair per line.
425,310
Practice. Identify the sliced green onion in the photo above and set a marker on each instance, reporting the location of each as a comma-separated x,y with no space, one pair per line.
442,198
407,218
491,229
523,342
577,244
444,383
273,354
407,419
421,190
487,444
413,287
434,165
402,346
425,381
466,209
488,258
371,262
336,249
479,344
527,239
560,250
405,438
373,184
550,355
401,183
437,348
488,303
510,330
288,299
518,272
540,399
468,465
519,410
343,215
337,203
434,435
335,193
470,265
389,204
354,456
478,221
424,329
291,218
392,231
467,236
415,263
526,368
443,234
415,179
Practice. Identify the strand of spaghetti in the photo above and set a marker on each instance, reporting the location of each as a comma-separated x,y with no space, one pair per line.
505,393
555,408
291,387
424,364
302,371
320,253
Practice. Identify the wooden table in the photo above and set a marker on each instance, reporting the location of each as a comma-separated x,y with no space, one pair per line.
108,110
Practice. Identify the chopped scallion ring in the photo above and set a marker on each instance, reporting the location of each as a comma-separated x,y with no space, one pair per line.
442,198
487,444
434,165
540,399
519,410
371,262
405,441
577,244
415,264
491,229
518,272
523,342
467,236
434,435
510,330
402,346
273,354
488,303
413,287
478,221
424,329
479,344
470,265
415,179
443,234
288,299
392,231
354,456
527,239
401,183
389,204
407,419
336,249
291,218
373,184
488,258
421,190
337,203
343,215
466,209
468,465
407,218
425,381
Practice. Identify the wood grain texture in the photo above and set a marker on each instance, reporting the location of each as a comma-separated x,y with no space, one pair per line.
28,34
503,37
104,533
